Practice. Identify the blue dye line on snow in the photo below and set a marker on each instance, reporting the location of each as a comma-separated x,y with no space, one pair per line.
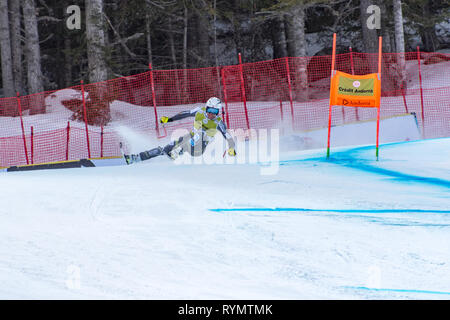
346,159
398,290
402,176
276,209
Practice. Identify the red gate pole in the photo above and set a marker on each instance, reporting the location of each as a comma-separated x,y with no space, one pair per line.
224,86
67,140
19,105
329,130
85,120
290,90
243,90
380,53
421,92
32,145
331,105
378,132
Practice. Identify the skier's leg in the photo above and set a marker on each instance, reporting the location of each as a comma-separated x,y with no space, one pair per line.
169,147
151,153
177,147
198,149
159,150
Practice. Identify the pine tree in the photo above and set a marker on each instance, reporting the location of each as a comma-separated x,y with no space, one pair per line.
5,47
16,45
33,56
370,37
96,41
400,40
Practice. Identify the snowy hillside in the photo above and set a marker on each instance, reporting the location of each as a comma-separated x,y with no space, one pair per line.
142,117
299,227
349,227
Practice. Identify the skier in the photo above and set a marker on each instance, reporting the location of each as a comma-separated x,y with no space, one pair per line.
206,124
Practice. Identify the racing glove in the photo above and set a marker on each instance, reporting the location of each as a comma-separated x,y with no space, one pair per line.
231,152
164,119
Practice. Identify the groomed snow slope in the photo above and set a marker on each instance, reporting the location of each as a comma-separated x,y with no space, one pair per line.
346,228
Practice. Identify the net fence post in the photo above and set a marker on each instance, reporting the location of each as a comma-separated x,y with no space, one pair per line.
85,119
101,142
32,145
224,88
288,73
19,106
244,98
67,140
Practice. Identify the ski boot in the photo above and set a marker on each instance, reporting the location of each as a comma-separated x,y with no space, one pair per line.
132,158
175,153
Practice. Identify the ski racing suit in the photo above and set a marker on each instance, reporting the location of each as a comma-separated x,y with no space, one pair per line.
197,139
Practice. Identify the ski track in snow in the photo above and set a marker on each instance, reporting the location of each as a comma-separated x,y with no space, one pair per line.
348,227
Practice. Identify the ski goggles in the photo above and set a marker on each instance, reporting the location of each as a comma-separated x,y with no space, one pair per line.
212,110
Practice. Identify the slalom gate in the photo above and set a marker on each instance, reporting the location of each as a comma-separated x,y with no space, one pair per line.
355,91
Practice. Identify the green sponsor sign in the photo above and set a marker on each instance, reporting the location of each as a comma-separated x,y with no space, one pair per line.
356,87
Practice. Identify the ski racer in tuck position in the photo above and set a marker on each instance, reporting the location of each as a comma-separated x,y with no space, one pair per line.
206,124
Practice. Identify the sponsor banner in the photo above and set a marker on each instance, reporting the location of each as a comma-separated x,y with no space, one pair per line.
355,91
352,87
368,103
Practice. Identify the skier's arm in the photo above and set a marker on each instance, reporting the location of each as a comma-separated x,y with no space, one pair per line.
181,115
226,135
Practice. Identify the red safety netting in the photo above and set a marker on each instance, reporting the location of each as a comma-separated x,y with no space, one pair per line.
290,92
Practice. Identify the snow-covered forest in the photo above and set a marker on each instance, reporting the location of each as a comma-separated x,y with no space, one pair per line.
50,44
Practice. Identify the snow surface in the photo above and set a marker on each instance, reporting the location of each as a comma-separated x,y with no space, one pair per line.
344,228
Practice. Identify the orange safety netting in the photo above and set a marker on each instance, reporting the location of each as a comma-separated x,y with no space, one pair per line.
58,125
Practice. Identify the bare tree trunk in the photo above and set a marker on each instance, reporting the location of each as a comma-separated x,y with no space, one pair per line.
298,22
236,22
67,62
370,38
216,61
278,39
298,43
387,41
33,55
289,34
98,109
427,30
386,28
173,54
149,36
203,36
185,36
400,40
16,45
216,58
95,41
5,44
185,49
